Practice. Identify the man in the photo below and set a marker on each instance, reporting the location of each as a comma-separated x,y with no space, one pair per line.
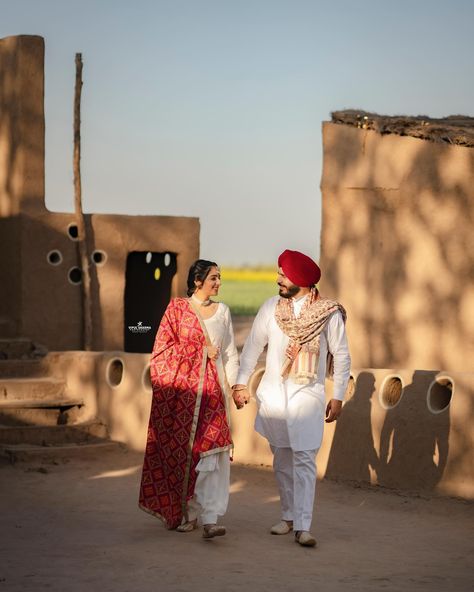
306,338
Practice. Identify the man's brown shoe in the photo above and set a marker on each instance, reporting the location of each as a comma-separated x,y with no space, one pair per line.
305,538
212,530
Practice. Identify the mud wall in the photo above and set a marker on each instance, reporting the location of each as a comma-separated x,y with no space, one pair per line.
397,247
402,429
21,124
21,161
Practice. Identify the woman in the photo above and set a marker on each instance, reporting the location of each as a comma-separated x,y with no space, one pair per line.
187,458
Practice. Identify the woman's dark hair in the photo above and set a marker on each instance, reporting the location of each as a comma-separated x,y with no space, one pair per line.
198,271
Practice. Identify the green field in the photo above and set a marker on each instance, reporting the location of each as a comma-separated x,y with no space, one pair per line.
245,290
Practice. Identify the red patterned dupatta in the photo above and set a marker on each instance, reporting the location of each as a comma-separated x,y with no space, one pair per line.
188,418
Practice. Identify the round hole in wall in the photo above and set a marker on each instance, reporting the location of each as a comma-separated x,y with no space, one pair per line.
73,231
99,257
114,372
157,273
391,392
146,379
75,275
148,257
54,257
440,393
167,259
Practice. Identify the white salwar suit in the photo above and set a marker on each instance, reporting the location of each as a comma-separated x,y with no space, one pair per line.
291,416
211,492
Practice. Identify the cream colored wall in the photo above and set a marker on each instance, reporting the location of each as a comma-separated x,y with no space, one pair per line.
397,247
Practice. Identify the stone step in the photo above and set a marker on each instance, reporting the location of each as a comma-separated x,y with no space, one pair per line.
52,435
41,416
31,388
20,349
24,368
60,402
51,454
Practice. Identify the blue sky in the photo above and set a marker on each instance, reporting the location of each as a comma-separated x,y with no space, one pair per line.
213,108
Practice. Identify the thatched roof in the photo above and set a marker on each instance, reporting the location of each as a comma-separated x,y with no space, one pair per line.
455,129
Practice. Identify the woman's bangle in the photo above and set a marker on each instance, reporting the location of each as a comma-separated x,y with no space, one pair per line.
237,389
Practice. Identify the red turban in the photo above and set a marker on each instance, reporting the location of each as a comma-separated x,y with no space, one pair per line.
300,269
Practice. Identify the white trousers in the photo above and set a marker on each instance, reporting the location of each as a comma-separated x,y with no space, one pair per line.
211,493
295,472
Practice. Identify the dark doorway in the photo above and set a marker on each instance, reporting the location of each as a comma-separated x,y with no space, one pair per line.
147,292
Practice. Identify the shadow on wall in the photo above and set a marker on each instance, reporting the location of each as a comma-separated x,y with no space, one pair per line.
396,237
353,453
414,440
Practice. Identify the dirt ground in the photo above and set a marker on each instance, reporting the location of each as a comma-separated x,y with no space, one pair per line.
75,526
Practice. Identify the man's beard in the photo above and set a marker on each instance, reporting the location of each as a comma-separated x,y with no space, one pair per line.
290,292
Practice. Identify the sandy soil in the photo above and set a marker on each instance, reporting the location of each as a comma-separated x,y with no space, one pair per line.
76,527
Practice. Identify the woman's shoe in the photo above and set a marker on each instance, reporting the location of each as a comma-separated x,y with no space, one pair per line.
213,530
187,526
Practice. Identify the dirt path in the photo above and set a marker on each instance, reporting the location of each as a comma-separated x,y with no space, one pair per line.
77,527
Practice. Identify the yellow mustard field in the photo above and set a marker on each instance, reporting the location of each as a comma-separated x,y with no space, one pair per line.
244,290
248,274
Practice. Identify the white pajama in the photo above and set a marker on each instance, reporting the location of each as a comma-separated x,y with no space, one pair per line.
295,473
211,493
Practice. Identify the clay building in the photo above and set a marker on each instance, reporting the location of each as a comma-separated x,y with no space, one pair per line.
136,262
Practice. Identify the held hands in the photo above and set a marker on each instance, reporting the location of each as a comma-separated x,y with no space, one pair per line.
213,352
333,410
240,395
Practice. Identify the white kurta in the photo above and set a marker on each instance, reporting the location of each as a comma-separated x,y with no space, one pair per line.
292,415
221,334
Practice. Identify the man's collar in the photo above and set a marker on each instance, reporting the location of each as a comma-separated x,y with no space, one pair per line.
301,298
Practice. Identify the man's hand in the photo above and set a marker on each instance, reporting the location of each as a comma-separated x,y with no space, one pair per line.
241,395
333,410
237,400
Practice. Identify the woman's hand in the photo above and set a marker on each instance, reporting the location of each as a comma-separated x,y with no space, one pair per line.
213,352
